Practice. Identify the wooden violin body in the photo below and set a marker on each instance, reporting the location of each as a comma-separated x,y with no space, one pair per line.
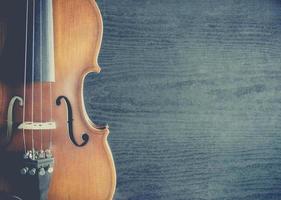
83,166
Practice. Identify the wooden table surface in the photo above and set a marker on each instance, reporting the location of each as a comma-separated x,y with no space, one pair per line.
191,91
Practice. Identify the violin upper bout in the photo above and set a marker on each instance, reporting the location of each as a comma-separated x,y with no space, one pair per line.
78,30
96,68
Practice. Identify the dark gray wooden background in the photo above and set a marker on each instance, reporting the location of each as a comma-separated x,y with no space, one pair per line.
192,93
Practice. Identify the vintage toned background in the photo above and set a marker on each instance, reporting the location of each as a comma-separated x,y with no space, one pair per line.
192,93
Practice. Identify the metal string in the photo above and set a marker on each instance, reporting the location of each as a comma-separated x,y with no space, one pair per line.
51,115
41,79
51,111
25,67
32,81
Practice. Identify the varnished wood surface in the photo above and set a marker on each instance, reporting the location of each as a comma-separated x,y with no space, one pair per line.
191,91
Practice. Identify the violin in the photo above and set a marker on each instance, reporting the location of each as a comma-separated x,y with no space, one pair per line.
49,147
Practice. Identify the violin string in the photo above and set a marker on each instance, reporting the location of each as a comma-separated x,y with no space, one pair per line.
32,81
25,67
51,113
41,78
51,116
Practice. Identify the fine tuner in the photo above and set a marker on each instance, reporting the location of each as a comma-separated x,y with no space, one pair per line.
38,162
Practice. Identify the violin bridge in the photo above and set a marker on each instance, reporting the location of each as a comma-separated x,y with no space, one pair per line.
37,125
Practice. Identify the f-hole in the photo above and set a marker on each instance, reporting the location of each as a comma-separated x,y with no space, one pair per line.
85,136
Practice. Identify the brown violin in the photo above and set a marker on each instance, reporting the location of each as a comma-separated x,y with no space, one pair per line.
49,148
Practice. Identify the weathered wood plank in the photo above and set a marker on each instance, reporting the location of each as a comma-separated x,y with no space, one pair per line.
191,91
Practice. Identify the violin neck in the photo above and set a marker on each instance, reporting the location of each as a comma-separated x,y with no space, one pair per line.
39,41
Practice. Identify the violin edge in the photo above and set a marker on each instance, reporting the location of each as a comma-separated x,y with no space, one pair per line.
91,125
96,67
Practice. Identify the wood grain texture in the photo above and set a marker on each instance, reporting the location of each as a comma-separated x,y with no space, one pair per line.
191,91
